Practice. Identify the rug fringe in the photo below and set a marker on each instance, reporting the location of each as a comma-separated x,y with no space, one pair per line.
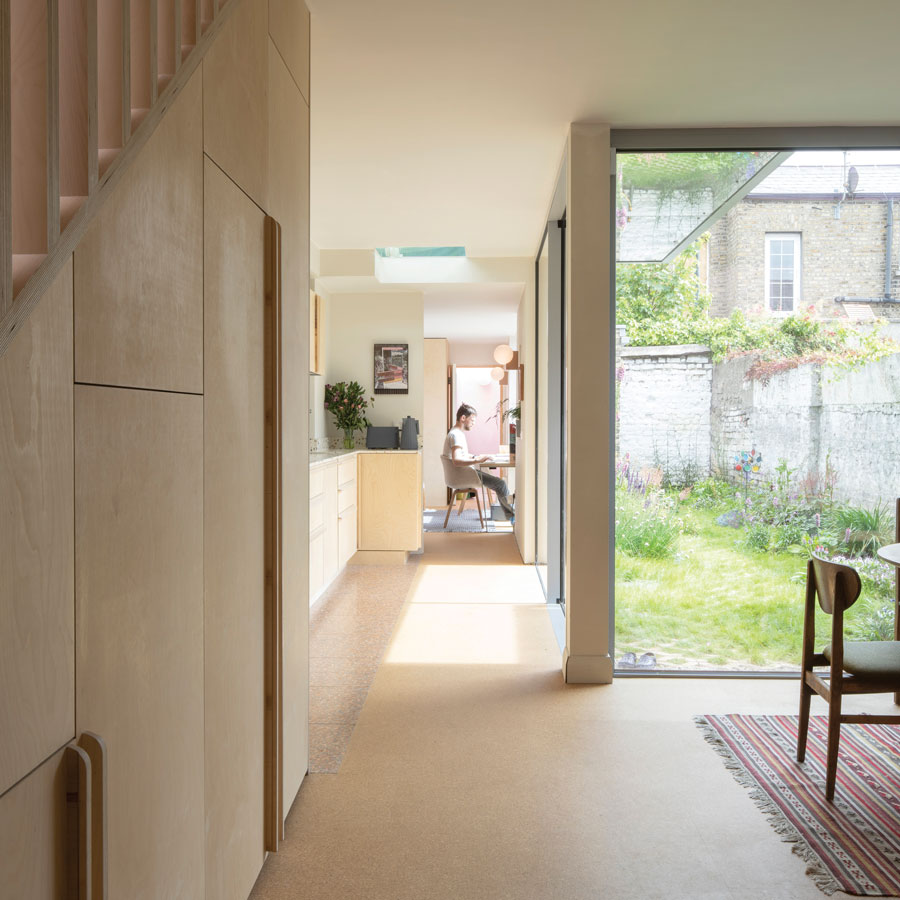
815,868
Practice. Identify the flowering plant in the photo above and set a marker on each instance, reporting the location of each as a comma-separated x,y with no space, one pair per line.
347,403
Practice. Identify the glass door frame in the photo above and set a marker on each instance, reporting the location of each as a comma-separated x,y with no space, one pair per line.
551,504
712,139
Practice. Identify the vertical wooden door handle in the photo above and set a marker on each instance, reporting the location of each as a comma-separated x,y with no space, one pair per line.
78,791
95,747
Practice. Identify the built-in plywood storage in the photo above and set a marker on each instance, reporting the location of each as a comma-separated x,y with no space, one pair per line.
288,157
234,550
153,445
139,637
37,614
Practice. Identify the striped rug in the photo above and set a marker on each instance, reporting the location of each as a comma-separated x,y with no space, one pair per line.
852,845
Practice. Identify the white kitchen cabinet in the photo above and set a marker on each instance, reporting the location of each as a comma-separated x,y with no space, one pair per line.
331,523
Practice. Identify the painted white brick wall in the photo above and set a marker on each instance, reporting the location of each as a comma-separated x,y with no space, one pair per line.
680,412
664,408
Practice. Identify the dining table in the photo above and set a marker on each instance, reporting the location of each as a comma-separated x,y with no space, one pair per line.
890,554
495,461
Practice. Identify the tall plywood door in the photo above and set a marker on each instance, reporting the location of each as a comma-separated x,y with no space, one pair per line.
139,641
234,549
289,204
37,609
38,852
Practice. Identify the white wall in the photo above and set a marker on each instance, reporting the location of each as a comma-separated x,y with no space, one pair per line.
473,353
354,324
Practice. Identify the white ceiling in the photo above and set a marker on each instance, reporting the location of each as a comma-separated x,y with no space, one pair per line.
472,312
437,123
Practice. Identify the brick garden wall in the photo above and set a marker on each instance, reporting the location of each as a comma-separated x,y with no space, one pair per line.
679,411
664,407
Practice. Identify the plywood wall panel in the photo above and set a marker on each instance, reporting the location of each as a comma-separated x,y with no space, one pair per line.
37,612
289,29
289,178
139,602
235,111
234,539
139,268
33,834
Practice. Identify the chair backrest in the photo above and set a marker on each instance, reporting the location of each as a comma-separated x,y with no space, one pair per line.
459,477
837,586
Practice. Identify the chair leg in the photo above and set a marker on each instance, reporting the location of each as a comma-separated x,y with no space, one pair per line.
480,516
834,738
449,507
803,725
462,502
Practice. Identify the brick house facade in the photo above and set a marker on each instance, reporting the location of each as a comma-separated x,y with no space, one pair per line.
839,257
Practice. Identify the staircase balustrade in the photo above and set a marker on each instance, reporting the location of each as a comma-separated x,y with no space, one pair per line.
82,85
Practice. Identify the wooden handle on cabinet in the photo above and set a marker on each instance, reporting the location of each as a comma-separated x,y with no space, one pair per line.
95,747
78,792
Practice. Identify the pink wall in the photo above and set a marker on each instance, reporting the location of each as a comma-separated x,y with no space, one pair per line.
485,436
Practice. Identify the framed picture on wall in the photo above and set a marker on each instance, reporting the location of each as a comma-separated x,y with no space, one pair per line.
392,368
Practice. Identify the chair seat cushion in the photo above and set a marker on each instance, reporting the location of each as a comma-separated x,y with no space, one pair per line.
871,659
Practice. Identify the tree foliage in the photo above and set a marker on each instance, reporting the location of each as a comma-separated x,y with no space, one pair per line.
664,304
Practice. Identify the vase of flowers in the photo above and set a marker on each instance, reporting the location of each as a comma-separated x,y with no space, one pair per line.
347,403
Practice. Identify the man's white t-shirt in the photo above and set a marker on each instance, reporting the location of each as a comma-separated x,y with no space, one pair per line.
456,437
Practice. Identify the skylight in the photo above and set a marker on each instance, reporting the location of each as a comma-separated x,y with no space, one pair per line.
401,252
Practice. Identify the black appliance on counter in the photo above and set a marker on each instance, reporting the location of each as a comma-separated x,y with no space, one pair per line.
382,437
409,434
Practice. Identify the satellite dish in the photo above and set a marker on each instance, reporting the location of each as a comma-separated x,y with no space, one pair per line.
852,180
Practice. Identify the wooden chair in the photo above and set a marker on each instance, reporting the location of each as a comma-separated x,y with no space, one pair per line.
461,480
856,667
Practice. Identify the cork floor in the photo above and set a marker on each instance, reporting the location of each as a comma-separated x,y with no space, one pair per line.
474,772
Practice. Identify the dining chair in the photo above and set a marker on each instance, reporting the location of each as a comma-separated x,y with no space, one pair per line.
461,480
856,667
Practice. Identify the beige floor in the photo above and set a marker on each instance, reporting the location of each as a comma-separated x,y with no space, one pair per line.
474,772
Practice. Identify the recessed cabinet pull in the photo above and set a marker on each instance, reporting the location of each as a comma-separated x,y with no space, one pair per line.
95,747
78,793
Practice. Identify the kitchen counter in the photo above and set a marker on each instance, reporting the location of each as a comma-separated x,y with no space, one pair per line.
321,457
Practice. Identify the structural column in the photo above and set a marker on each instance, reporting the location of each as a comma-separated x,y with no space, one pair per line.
589,422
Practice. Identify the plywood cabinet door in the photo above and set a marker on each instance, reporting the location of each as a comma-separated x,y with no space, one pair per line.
139,638
289,204
37,605
35,850
390,501
234,549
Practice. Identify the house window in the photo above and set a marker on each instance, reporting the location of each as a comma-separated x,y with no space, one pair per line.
782,272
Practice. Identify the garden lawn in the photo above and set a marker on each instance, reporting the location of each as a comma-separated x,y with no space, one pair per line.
717,605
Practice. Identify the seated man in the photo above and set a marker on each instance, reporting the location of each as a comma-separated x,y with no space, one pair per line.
456,449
